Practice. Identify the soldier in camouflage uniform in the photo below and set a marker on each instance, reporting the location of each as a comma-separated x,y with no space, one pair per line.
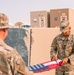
62,48
11,62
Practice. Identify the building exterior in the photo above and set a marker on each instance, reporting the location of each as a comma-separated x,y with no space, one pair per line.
57,15
45,19
39,19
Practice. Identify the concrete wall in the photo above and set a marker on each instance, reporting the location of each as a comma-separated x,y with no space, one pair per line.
71,17
40,48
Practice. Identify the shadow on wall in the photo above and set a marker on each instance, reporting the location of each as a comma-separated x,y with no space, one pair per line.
16,40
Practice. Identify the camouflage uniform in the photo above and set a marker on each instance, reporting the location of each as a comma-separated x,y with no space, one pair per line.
63,47
15,64
11,62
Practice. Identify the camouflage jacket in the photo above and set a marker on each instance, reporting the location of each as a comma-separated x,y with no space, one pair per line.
63,47
14,63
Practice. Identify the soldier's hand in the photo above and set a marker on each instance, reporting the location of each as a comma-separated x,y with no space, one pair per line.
54,58
31,73
65,60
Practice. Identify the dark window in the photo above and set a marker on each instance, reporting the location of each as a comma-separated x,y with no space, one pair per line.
41,20
56,18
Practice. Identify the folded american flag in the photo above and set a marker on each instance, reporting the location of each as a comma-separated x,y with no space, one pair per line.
46,66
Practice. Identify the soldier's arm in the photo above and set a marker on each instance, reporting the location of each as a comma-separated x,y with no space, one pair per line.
53,51
19,65
71,57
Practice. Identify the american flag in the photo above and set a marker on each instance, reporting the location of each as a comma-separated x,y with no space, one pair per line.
45,66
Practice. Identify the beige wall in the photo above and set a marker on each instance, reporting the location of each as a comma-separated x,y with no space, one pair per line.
71,17
40,48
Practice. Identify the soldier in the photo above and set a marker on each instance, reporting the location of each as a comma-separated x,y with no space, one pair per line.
11,62
62,48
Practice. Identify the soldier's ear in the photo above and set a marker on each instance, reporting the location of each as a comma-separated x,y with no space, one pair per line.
4,30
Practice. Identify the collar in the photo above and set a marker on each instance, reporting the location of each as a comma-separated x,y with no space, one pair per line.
7,47
65,37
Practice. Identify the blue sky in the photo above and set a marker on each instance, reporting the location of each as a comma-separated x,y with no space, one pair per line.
19,10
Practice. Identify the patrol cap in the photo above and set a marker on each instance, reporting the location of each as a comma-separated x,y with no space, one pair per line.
4,21
64,25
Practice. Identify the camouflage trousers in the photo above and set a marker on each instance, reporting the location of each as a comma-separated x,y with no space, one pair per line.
65,73
58,72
